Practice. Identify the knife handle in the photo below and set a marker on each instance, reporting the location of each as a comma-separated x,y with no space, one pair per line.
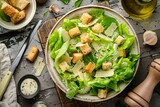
4,83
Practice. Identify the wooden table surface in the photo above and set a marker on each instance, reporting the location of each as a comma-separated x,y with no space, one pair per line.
48,94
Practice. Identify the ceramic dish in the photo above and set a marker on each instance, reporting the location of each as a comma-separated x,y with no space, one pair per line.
78,12
29,86
30,12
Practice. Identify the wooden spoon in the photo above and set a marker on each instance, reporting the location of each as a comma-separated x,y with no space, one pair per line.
141,95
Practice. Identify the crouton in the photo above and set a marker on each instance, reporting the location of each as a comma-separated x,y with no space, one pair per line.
122,53
74,32
86,18
98,28
90,67
76,57
9,10
21,15
85,38
106,66
102,93
32,54
64,66
20,4
119,40
86,49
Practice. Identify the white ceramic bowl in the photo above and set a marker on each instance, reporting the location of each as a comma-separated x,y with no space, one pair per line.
30,12
49,61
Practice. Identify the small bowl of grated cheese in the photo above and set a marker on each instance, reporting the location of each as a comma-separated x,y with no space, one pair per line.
28,86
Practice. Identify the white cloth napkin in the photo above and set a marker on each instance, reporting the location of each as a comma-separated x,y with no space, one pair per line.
10,96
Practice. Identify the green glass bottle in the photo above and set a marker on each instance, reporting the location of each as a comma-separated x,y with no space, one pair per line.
139,9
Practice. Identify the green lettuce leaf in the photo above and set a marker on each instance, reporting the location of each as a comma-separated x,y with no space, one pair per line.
104,58
61,52
83,86
94,91
70,23
96,13
53,39
65,1
89,58
114,84
106,21
57,46
127,44
73,90
77,3
99,82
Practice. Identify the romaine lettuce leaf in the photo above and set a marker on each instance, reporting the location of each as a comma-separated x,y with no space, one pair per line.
70,23
104,58
83,87
89,58
106,21
95,13
61,52
93,35
73,90
113,84
99,82
127,44
57,46
123,29
53,39
94,91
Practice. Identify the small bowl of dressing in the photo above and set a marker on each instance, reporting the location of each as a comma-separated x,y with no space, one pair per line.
28,86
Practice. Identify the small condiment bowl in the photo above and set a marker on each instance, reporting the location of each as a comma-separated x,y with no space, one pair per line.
31,77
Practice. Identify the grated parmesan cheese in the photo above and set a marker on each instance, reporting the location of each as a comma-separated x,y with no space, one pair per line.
38,66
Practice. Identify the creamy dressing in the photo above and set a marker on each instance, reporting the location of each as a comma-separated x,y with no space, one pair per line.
29,86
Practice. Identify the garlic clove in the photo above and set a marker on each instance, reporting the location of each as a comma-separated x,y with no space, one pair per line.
150,38
53,8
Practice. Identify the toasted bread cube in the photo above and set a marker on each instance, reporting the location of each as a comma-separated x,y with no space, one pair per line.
64,66
122,53
85,38
86,18
9,10
21,15
90,67
76,57
32,54
20,4
74,32
86,49
98,28
119,40
106,66
102,93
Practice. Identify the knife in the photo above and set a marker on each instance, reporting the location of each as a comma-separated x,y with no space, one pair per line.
5,81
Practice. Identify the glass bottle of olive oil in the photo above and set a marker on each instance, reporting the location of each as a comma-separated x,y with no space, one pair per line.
139,9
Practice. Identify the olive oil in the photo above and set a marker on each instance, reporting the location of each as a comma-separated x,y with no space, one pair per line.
139,9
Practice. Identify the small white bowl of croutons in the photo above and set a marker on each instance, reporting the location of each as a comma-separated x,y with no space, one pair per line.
16,14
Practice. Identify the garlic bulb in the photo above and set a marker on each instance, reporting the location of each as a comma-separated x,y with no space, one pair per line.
150,38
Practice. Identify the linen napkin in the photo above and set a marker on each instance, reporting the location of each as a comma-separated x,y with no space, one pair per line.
10,96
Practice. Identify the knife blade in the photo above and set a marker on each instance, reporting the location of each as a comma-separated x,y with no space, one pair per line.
6,79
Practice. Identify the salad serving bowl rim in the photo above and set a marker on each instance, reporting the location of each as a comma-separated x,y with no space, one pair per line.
52,71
